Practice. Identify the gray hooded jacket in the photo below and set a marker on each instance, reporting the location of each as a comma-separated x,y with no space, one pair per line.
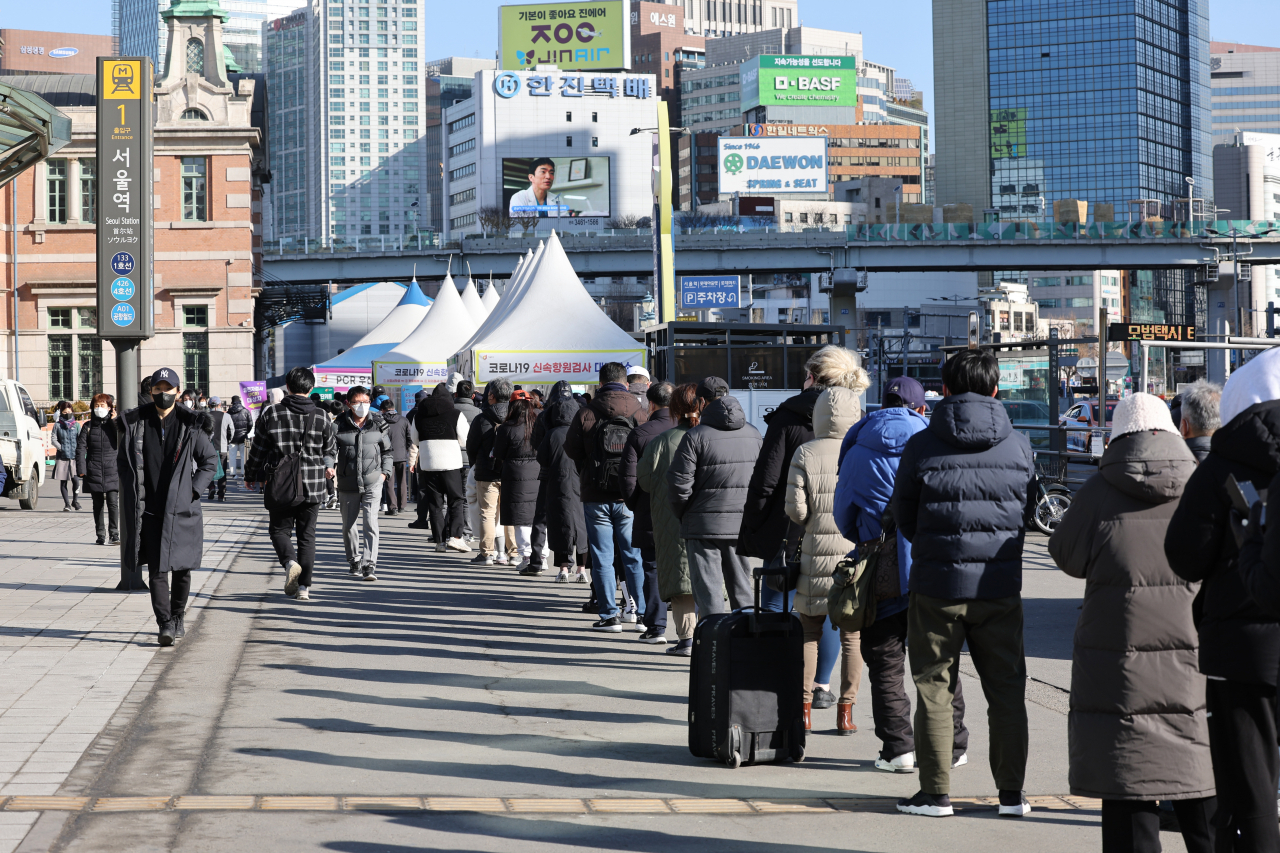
707,480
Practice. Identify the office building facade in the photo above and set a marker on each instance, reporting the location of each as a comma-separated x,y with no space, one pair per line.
139,31
448,81
39,52
1246,89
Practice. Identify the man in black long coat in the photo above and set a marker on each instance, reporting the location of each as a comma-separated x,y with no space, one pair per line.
166,462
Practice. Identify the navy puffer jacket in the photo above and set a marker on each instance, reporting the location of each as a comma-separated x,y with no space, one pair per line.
963,497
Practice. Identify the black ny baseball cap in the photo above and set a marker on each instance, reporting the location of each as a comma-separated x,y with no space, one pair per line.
166,374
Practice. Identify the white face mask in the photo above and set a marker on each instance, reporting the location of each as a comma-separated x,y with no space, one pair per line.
101,411
188,404
361,409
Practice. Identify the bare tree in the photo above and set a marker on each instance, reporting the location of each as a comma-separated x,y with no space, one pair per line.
494,220
626,220
527,220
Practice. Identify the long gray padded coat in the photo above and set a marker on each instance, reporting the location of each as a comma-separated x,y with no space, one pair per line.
707,480
1137,728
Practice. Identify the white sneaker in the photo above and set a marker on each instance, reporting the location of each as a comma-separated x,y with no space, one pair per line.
459,545
292,572
523,564
304,593
961,761
563,576
905,763
582,576
641,627
629,616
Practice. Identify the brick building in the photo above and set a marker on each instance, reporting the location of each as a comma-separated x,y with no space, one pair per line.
209,163
661,46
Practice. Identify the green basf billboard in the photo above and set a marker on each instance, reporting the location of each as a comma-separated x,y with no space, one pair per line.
800,81
572,36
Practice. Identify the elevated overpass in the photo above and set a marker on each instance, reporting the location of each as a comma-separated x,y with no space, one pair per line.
874,248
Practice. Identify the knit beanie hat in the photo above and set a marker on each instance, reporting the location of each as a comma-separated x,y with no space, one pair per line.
1139,413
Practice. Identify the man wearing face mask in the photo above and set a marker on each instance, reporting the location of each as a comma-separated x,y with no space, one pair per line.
165,461
364,462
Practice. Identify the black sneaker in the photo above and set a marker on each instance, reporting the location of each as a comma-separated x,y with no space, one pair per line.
682,648
531,570
612,625
115,540
590,606
179,629
166,634
101,542
419,525
823,699
654,636
1013,804
929,805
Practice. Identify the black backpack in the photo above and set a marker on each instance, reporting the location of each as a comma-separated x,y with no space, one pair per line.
609,438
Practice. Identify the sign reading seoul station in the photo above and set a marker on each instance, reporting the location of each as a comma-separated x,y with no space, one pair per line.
800,81
571,36
124,197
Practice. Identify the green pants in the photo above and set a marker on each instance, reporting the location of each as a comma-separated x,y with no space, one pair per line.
937,628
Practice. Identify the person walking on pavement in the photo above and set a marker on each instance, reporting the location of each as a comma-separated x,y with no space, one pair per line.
595,441
869,457
242,424
439,432
1239,639
1135,651
637,499
566,525
164,463
810,501
1199,417
707,486
223,432
96,449
462,392
963,497
395,491
294,428
64,435
365,462
515,459
674,584
480,438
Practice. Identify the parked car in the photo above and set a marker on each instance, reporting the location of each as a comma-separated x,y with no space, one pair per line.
1029,412
1085,413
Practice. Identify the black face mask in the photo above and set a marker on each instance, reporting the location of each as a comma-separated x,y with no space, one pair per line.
164,401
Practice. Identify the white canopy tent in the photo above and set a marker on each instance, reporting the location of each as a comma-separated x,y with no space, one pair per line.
491,296
471,299
422,357
355,365
546,328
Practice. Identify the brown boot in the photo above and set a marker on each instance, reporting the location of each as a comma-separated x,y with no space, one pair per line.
844,718
808,707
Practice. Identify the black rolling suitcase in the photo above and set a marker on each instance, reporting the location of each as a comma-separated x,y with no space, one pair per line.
746,685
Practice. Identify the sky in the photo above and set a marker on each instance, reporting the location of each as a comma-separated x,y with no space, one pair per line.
893,32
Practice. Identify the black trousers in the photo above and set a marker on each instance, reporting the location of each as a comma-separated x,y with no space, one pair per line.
1242,739
441,488
167,600
110,502
1133,826
299,521
538,536
884,651
219,485
395,489
655,609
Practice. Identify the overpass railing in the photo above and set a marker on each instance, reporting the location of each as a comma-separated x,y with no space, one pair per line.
1240,228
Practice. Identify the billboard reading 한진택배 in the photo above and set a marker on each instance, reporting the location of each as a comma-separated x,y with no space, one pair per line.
571,36
800,81
552,187
759,165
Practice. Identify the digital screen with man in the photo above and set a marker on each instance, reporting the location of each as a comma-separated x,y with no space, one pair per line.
556,187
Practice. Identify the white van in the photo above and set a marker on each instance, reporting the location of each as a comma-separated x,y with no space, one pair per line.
21,444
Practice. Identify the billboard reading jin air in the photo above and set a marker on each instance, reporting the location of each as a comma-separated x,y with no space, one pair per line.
572,36
800,81
791,165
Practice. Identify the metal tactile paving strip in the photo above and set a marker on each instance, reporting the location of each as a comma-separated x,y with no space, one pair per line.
214,803
611,805
130,804
710,806
310,804
381,803
46,804
465,804
547,804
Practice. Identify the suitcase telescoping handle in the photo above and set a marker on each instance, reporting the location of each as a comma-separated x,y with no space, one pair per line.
758,574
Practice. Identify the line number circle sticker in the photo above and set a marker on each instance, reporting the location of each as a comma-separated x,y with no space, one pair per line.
122,314
122,263
122,289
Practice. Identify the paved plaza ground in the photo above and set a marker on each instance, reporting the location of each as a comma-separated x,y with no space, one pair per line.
445,707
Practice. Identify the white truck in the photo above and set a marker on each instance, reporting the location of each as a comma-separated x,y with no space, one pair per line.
21,444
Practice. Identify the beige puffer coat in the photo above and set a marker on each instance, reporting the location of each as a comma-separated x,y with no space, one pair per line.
811,492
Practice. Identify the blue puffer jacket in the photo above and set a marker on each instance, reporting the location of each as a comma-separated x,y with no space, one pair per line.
963,497
869,459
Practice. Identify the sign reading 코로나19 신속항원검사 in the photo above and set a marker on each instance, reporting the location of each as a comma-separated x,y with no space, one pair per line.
575,36
550,367
125,171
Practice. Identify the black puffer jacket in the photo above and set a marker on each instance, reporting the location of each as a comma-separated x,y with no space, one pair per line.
637,499
1260,557
612,400
397,428
1239,641
963,497
480,439
708,476
516,461
96,456
764,521
242,420
566,526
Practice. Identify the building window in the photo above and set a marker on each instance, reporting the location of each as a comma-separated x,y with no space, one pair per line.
568,142
195,359
193,115
88,190
195,315
194,208
57,190
90,352
1081,302
59,318
195,56
568,116
60,365
595,142
595,117
87,318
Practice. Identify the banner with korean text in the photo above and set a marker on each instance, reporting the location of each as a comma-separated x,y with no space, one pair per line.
546,368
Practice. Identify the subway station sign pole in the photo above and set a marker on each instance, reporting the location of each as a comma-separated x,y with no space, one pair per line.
125,225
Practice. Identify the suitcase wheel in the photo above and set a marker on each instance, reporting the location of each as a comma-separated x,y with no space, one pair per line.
734,761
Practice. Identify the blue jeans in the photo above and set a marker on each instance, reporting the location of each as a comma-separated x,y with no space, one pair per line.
609,527
828,644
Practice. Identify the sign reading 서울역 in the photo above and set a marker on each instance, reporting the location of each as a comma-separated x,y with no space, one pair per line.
572,36
709,291
800,81
1149,332
754,165
550,367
